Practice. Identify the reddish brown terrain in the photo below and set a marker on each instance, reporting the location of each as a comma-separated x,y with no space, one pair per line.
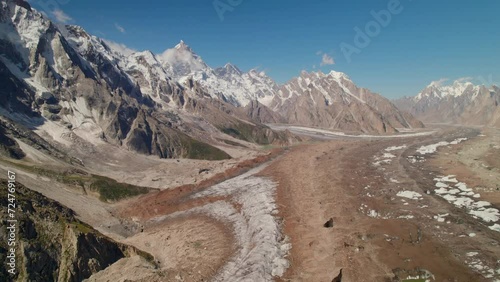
379,233
373,237
263,218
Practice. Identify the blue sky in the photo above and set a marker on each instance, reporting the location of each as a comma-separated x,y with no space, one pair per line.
424,40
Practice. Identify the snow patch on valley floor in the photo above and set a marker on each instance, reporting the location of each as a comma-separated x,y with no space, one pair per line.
364,209
386,158
262,246
410,195
395,148
432,148
392,180
406,216
378,163
458,194
495,227
415,159
441,217
479,266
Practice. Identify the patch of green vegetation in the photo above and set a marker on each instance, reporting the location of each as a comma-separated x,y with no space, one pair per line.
197,245
200,151
111,190
108,189
247,132
82,227
149,257
29,168
270,147
233,132
232,143
77,180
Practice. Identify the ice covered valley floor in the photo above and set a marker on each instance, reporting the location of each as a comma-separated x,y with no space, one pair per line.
245,206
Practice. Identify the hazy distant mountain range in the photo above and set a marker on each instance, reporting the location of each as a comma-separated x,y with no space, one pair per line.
462,102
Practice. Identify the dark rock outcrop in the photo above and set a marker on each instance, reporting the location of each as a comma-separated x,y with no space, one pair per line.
338,278
329,223
52,245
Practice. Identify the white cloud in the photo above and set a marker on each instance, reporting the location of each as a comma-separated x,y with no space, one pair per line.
61,16
440,82
119,48
327,60
465,79
319,52
120,28
446,81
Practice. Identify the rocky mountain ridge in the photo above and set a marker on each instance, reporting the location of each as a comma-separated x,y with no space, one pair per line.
461,102
60,80
333,101
330,100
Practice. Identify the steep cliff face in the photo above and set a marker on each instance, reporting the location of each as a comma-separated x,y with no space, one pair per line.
13,93
52,245
8,146
260,113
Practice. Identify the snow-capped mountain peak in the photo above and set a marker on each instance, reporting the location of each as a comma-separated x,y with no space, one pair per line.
458,102
227,70
238,87
235,86
31,25
182,61
119,49
183,46
438,90
339,75
258,73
